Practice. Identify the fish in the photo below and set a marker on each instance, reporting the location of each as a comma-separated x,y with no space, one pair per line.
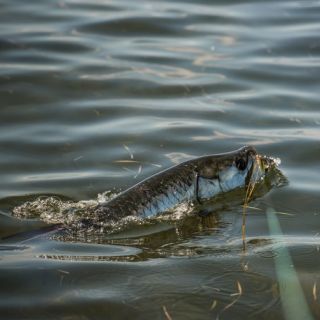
196,180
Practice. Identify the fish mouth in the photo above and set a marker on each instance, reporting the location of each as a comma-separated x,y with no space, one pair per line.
260,167
267,163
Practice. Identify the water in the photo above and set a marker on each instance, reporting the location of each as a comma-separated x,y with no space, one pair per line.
96,96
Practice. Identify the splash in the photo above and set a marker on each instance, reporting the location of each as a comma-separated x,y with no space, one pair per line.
54,210
79,217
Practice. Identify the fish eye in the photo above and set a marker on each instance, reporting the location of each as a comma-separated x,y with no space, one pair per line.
241,164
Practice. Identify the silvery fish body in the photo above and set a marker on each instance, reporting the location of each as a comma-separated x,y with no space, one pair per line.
194,180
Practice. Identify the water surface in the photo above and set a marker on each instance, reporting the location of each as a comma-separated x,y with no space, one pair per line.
95,96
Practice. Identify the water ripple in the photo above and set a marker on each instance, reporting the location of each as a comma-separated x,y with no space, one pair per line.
169,80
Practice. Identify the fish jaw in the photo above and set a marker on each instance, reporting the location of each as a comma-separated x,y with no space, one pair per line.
261,165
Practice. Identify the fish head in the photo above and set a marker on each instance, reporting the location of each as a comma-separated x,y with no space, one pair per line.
236,169
221,173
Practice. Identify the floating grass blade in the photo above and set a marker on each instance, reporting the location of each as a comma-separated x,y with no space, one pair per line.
293,300
166,313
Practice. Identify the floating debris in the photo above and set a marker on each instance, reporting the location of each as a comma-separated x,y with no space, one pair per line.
139,171
166,313
129,151
214,304
314,292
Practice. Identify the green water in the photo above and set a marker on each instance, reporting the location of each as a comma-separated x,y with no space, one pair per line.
98,95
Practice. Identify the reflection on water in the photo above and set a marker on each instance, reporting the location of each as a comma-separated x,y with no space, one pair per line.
99,95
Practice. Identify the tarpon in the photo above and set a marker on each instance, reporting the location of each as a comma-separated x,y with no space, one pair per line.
195,180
